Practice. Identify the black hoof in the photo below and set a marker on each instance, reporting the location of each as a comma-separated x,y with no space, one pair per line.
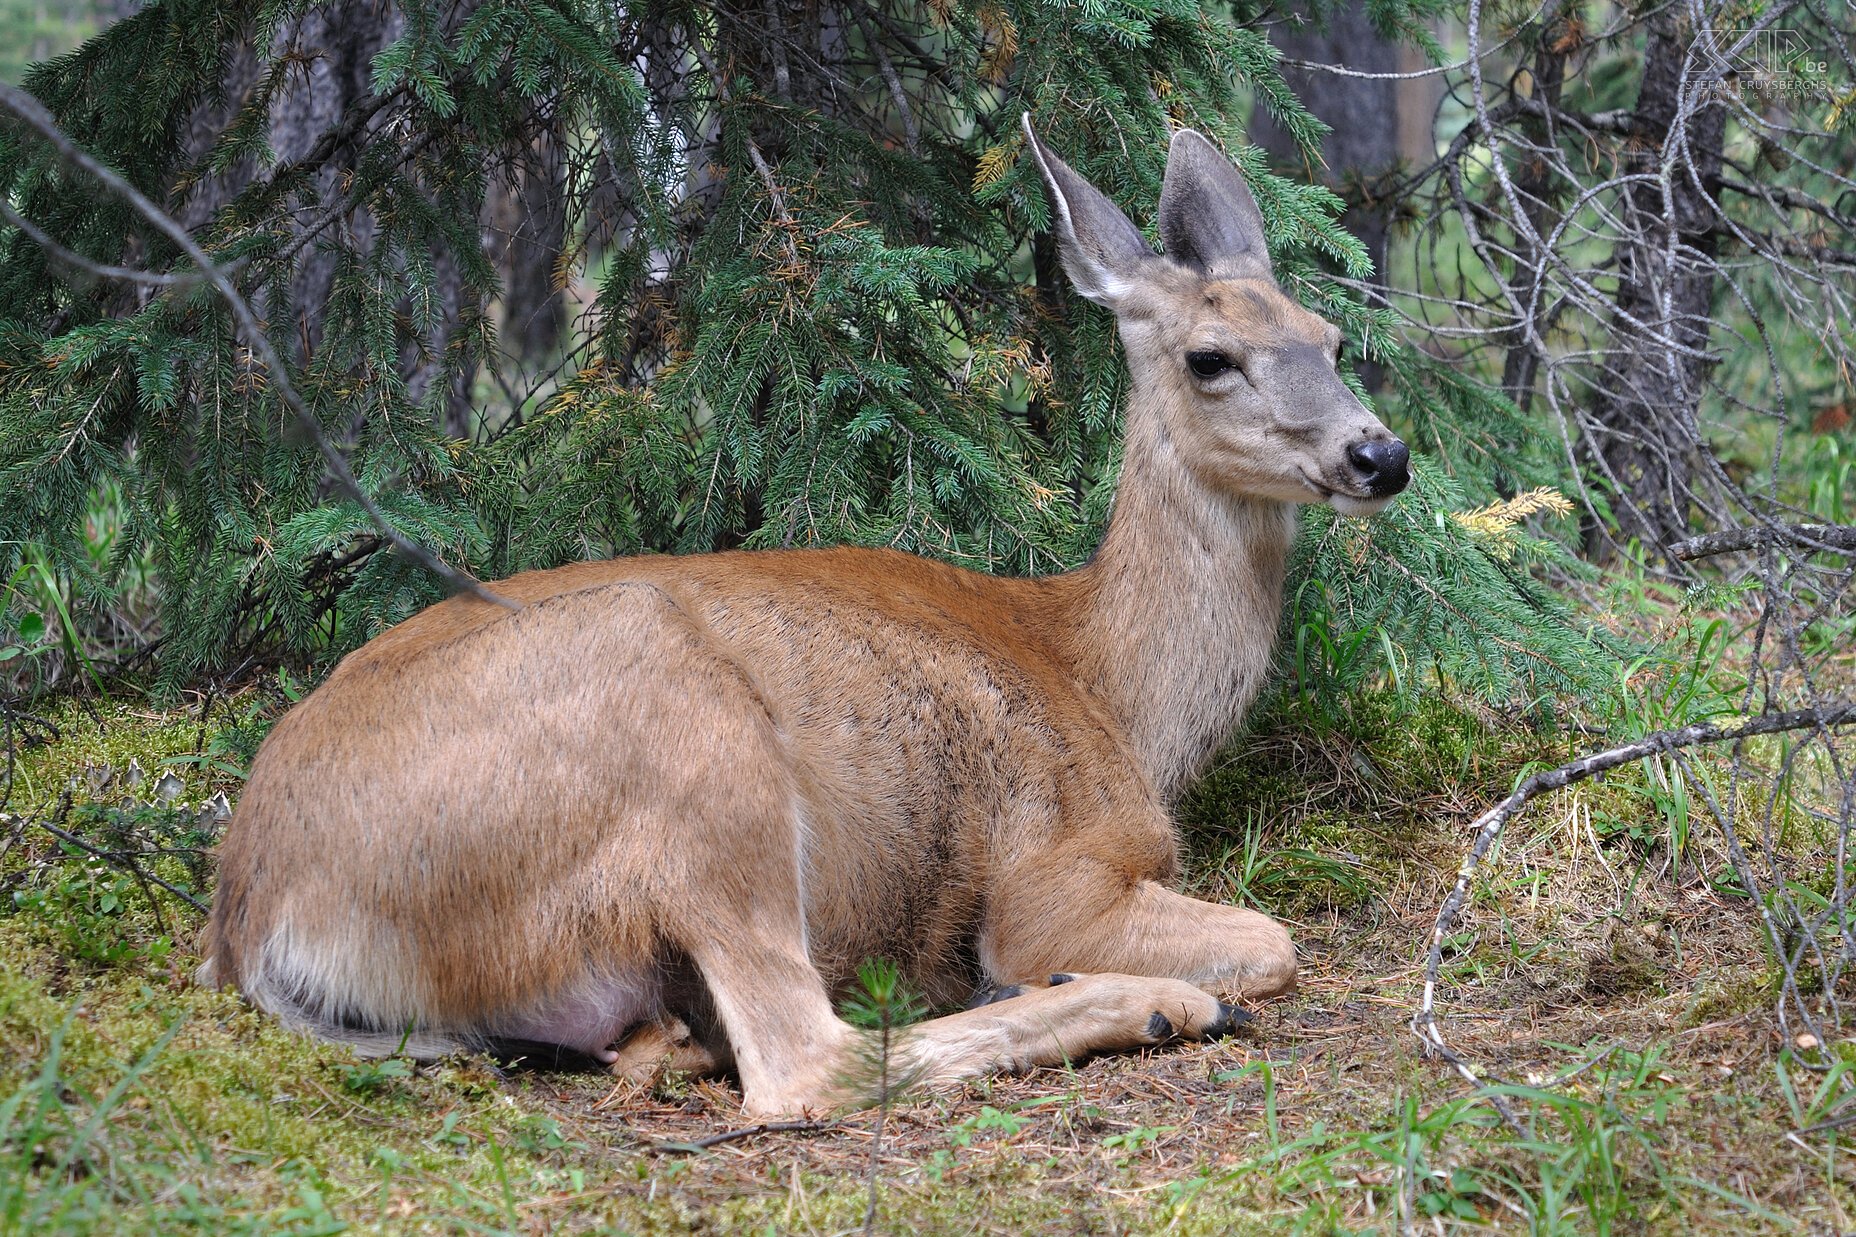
992,996
1230,1017
1061,977
1159,1027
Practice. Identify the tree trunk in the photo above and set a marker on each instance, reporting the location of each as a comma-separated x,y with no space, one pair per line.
1364,114
340,42
528,224
1644,420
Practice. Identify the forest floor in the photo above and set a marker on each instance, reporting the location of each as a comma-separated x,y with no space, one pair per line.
1624,1000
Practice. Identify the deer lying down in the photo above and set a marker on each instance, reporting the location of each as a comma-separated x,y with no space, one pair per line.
701,790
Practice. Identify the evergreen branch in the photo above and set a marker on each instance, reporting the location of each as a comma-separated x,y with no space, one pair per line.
761,168
1513,646
344,205
1490,824
332,140
30,110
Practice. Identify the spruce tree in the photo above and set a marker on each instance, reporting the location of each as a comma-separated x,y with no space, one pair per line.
811,298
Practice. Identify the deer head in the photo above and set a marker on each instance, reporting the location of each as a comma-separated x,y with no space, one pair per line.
1242,378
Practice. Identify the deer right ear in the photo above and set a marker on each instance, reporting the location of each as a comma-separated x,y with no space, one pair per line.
1208,219
1101,249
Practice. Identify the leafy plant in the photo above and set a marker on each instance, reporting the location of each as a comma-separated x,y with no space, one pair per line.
115,868
368,1077
1137,1139
1002,1123
28,636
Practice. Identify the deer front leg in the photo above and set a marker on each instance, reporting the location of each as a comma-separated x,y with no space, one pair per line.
795,1057
1095,916
1087,1014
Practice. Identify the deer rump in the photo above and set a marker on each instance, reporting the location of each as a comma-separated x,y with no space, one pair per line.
673,795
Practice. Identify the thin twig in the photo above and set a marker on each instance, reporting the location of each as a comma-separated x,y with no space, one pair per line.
1337,70
729,1136
101,270
119,859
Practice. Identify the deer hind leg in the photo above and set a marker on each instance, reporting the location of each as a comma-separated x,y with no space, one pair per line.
661,1048
738,917
1095,919
788,1046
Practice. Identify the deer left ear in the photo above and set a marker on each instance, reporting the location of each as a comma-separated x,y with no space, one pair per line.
1102,251
1208,218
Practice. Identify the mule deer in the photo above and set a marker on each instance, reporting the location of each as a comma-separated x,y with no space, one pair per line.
693,793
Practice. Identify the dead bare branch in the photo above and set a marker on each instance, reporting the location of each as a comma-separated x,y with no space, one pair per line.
1489,826
1833,538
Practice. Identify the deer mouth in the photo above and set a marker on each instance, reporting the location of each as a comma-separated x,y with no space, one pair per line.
1346,502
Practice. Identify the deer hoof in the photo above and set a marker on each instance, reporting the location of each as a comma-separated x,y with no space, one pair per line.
1229,1018
992,996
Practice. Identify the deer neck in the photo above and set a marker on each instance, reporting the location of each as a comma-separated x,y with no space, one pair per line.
1172,622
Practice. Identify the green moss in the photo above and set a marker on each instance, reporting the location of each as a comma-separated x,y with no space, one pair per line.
1732,994
109,738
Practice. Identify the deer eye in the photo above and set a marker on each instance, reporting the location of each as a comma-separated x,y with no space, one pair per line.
1208,364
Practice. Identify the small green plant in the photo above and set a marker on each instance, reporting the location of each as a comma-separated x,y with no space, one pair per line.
31,593
1138,1139
1275,878
1002,1123
1827,472
539,1133
28,638
880,1006
368,1077
1451,1195
114,872
449,1135
84,901
1265,1072
1829,1092
1418,1147
310,1215
1680,684
1593,1160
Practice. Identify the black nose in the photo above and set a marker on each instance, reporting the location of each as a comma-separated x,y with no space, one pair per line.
1383,466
